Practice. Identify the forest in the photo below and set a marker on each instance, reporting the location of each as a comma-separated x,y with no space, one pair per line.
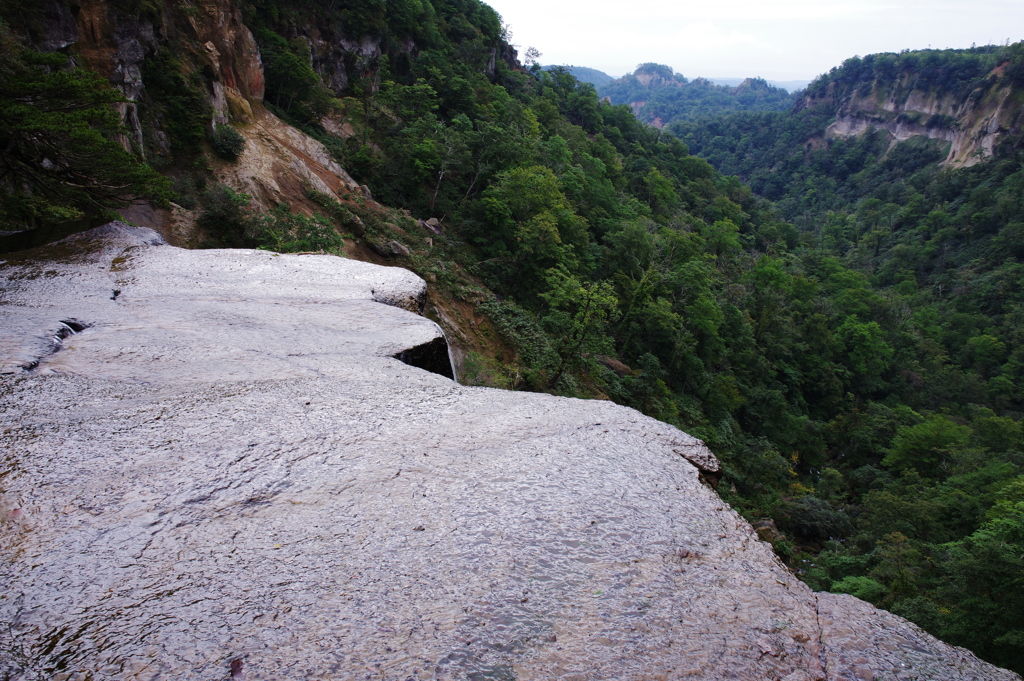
842,328
916,509
666,96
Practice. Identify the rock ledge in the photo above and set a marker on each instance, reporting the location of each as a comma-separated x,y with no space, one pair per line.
227,473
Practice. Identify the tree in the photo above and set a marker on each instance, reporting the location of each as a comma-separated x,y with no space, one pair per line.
867,354
898,565
927,445
533,221
578,315
59,159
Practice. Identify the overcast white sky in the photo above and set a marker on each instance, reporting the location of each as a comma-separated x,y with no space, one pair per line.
774,39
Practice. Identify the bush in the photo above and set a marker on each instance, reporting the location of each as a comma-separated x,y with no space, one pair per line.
225,219
863,588
287,232
815,519
185,192
227,142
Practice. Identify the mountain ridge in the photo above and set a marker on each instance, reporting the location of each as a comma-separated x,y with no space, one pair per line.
659,96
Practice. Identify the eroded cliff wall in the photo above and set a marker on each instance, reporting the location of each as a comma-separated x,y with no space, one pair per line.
972,121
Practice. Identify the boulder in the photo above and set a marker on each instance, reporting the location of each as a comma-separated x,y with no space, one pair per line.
432,224
398,248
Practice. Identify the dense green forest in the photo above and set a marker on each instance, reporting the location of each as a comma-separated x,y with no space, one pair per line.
668,96
918,502
60,161
586,75
851,353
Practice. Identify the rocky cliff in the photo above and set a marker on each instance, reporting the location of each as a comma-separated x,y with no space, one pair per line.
215,466
972,119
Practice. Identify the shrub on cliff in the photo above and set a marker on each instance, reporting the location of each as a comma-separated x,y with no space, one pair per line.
226,219
227,142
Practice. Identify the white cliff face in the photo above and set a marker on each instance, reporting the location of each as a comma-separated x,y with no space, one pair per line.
972,125
225,472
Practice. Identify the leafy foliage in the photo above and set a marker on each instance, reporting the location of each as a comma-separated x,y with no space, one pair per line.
58,131
227,142
180,106
660,94
292,84
228,221
924,262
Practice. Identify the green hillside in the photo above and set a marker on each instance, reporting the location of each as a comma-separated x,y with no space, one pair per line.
919,501
587,75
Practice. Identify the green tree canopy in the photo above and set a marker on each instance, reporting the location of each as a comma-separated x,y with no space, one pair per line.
60,159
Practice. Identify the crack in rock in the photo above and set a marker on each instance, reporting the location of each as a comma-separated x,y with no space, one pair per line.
67,328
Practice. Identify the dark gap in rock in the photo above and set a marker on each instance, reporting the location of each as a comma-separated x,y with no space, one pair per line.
709,478
432,356
68,327
71,327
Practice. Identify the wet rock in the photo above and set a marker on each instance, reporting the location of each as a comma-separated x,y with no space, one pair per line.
230,465
863,642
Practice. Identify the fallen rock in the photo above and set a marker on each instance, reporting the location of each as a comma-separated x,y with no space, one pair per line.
767,530
615,365
228,472
432,224
399,248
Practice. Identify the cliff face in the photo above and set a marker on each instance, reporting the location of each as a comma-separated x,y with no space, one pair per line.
115,44
215,465
972,123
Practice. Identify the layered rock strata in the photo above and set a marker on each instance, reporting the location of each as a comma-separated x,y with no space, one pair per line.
214,466
972,125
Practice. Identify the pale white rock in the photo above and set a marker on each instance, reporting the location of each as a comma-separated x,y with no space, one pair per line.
228,474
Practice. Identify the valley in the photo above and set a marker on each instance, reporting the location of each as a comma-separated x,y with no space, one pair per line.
823,287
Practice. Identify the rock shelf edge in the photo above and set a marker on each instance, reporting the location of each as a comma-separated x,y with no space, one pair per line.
227,472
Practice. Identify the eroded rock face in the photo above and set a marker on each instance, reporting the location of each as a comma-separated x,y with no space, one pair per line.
972,125
278,160
224,471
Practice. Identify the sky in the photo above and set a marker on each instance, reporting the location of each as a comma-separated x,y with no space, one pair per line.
773,39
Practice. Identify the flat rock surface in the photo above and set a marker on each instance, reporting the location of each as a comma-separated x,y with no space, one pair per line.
225,469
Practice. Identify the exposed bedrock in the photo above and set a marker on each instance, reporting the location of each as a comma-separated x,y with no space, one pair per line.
225,472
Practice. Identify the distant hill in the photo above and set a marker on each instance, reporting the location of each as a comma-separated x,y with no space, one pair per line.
586,75
660,96
790,85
